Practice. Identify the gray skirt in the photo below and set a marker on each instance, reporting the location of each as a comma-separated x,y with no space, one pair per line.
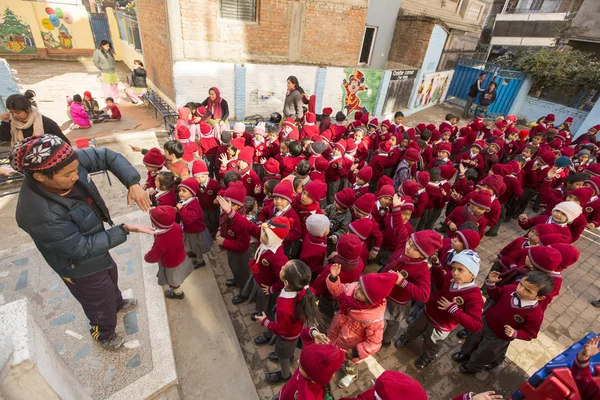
174,276
200,242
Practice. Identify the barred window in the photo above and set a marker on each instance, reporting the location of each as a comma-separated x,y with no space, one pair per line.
242,10
367,45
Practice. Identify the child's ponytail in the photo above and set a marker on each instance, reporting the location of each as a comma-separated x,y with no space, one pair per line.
168,180
298,276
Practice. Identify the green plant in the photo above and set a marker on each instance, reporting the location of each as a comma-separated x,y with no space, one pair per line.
130,8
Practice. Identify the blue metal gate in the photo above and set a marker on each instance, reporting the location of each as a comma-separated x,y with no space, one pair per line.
100,28
467,71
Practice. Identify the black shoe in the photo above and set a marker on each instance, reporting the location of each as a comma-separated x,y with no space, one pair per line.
275,378
191,254
273,357
386,343
491,234
113,343
400,342
495,364
596,303
230,283
254,315
260,340
198,263
169,294
239,299
462,334
459,357
422,362
465,370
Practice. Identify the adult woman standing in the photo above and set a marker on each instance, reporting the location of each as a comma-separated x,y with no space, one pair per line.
292,106
23,120
217,106
104,60
138,83
486,99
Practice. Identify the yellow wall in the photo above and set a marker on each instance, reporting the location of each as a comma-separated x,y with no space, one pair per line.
123,51
32,13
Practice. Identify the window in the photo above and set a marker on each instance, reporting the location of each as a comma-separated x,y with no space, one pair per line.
367,45
536,5
242,10
474,11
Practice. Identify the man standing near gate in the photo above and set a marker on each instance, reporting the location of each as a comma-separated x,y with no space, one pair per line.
474,91
61,209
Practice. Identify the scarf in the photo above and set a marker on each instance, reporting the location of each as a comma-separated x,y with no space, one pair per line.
215,106
244,171
16,127
306,209
552,221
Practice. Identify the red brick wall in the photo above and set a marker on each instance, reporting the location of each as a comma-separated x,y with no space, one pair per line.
411,39
331,33
154,31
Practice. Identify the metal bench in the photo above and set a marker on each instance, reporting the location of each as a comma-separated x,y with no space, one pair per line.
17,177
160,106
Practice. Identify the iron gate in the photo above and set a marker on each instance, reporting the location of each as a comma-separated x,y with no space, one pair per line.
467,71
100,28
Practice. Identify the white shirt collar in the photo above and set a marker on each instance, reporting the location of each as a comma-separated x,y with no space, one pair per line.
461,286
284,294
516,301
281,212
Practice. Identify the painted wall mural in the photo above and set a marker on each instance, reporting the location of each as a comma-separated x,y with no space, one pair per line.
360,89
15,35
433,89
56,33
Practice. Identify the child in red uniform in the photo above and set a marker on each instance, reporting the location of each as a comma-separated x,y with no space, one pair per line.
196,237
310,127
208,189
347,255
168,251
308,202
463,185
289,131
261,149
436,196
473,158
189,146
363,143
516,314
289,163
362,178
392,385
340,216
154,161
334,172
235,239
382,207
389,241
365,227
421,178
325,119
296,306
166,189
562,214
314,243
479,203
378,163
457,301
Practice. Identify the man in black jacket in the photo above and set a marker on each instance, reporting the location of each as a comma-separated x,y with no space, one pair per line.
61,209
474,91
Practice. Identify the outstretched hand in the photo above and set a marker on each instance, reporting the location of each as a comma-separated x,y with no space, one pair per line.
225,204
140,197
590,349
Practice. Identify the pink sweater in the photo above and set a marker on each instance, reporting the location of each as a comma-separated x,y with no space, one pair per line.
79,116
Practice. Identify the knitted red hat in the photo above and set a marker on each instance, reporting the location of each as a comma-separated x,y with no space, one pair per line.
479,143
420,128
280,226
523,133
427,242
271,167
326,135
447,147
374,122
162,217
358,115
482,199
364,119
495,182
350,146
554,238
384,180
423,178
392,385
327,111
365,203
284,190
320,362
349,247
594,183
569,253
345,197
409,188
514,166
431,127
567,151
501,124
183,132
544,258
547,229
386,190
378,286
569,120
435,136
594,169
199,168
384,136
361,227
314,190
236,192
238,143
366,173
548,158
246,155
311,117
289,121
190,184
584,194
41,153
340,145
550,118
410,133
469,238
447,172
386,123
412,155
408,203
154,158
385,147
321,164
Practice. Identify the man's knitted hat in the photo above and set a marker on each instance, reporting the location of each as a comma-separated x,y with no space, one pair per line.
41,153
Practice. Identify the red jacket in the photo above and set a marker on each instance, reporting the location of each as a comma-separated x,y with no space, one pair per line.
192,217
288,165
115,112
591,212
491,216
378,164
459,216
268,211
250,180
461,187
337,132
420,201
372,242
151,180
334,171
308,131
237,239
208,193
533,178
287,327
435,197
261,149
513,188
586,385
543,219
393,157
314,251
207,146
168,248
479,167
169,198
509,255
526,321
467,314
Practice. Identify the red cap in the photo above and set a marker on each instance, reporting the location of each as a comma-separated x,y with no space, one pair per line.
496,183
350,146
385,147
349,247
183,132
378,286
199,168
427,242
374,122
550,118
190,184
238,143
236,192
314,190
384,180
361,227
280,226
547,229
392,385
479,143
284,190
420,128
544,258
358,115
548,157
289,121
423,178
246,155
321,164
469,238
436,135
569,253
326,135
594,182
482,198
365,203
345,197
340,145
271,166
386,190
311,117
409,188
584,194
447,147
327,111
386,123
320,362
594,169
154,158
162,217
412,155
408,203
364,119
447,172
366,173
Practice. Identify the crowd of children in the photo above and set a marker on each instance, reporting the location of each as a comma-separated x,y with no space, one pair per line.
301,209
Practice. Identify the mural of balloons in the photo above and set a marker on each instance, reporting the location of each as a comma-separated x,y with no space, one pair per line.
57,18
59,12
47,24
54,20
49,10
67,17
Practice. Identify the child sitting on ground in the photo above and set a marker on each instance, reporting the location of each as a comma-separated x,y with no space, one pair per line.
91,107
78,115
112,111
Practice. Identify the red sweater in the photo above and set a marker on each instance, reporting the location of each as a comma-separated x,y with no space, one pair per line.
168,248
192,217
167,199
309,131
586,385
151,180
420,201
260,150
250,180
314,251
479,166
334,171
207,194
491,216
467,314
513,188
208,146
237,239
287,327
268,211
543,219
509,255
378,164
461,187
525,320
288,165
435,197
533,178
591,212
460,215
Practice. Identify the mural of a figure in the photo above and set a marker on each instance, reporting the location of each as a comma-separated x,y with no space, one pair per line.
15,35
353,85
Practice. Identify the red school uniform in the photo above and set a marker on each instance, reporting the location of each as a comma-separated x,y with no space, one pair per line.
379,162
461,214
168,248
491,216
113,111
334,171
167,198
478,158
543,219
420,199
461,187
288,165
274,148
268,211
313,253
309,130
192,217
208,193
466,308
367,230
287,327
237,239
337,132
250,180
261,150
305,211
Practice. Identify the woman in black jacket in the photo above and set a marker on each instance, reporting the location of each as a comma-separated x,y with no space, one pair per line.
138,83
486,99
23,120
474,91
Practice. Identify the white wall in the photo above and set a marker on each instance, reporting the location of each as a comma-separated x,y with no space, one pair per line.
266,86
333,95
533,108
434,49
192,80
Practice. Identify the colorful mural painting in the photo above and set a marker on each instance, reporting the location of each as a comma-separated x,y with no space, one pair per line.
433,89
57,34
15,35
360,89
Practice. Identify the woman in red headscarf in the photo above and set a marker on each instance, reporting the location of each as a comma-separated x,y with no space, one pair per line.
217,107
